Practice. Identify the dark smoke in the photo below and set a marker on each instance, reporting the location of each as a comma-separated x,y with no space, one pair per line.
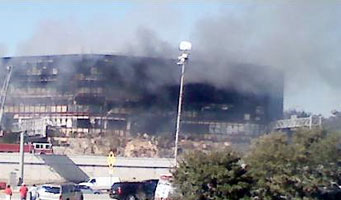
300,39
147,43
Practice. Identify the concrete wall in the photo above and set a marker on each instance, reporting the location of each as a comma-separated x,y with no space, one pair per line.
37,171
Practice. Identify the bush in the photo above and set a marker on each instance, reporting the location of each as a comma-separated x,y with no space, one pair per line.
294,167
280,166
215,175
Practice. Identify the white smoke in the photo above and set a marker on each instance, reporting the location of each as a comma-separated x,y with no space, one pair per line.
135,34
302,39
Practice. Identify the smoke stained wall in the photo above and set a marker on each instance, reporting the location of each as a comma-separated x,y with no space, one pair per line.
80,91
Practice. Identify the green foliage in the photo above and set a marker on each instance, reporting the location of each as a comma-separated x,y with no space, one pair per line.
213,176
11,138
280,166
294,167
334,122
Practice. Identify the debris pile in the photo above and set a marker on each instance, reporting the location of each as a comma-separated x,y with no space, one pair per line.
141,147
203,145
137,146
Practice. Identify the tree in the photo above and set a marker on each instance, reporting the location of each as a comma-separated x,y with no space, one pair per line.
298,113
294,167
212,176
333,122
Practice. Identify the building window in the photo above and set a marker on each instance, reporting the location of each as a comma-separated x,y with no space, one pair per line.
247,117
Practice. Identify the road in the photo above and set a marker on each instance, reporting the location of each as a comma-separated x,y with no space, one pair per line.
86,196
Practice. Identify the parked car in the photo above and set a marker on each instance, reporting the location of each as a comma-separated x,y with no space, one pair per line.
101,183
143,190
65,191
333,191
88,190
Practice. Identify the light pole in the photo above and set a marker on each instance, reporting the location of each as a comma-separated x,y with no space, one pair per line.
21,161
184,47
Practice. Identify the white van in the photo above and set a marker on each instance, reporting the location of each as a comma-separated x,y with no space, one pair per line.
164,188
101,183
59,192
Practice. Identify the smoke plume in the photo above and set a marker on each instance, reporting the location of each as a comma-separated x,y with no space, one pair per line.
300,39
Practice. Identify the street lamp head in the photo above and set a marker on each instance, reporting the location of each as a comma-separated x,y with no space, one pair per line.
185,46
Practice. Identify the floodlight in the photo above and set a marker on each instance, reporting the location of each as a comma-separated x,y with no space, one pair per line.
185,46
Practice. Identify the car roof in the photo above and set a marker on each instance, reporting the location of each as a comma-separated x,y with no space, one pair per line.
128,182
57,185
150,180
50,185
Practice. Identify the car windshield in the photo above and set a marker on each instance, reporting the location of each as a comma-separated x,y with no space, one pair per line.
51,189
150,184
83,187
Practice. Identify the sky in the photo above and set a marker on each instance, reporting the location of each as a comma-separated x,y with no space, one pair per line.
300,38
23,19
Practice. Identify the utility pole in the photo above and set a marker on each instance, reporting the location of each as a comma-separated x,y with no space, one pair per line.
21,161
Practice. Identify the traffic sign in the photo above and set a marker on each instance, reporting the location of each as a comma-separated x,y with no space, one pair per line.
111,159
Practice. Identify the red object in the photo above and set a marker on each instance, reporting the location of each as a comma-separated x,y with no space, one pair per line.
23,191
2,185
41,148
8,191
119,190
14,147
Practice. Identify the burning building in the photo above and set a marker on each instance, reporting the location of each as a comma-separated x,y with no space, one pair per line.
103,94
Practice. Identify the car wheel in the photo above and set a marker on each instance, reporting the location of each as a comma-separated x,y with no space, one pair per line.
130,197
